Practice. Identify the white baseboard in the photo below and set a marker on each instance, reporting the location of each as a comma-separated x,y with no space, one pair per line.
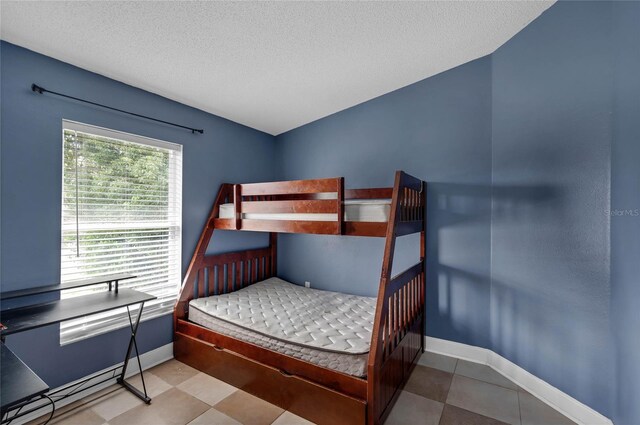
552,396
562,402
147,360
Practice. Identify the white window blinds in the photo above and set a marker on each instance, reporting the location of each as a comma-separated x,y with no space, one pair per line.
121,213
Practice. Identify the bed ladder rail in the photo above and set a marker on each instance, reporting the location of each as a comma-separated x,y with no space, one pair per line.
208,274
398,329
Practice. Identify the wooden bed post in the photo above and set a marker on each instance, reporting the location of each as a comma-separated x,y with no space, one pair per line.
390,238
340,197
237,202
375,354
423,259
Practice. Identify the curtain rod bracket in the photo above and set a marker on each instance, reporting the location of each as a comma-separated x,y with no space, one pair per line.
41,90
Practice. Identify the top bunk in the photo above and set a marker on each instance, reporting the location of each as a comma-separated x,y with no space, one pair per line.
321,206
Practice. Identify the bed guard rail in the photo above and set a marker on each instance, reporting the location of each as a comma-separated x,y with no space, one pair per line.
319,196
312,198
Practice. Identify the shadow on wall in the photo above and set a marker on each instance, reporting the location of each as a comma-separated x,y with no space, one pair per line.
458,273
547,287
526,330
459,255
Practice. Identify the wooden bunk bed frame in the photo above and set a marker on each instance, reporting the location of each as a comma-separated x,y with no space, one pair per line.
319,394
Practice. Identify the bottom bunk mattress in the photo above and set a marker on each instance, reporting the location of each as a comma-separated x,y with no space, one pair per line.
329,329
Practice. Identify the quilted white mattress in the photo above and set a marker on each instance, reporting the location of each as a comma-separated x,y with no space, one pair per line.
369,210
322,327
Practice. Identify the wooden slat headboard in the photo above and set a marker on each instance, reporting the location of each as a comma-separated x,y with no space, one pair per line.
223,273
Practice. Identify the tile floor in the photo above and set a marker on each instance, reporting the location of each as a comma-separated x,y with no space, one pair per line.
441,390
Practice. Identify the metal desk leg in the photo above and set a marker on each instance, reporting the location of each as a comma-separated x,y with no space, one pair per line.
6,419
133,344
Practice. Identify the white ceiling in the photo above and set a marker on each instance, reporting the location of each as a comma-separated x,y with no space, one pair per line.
272,66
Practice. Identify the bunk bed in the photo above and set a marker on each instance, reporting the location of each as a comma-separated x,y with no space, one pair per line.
215,330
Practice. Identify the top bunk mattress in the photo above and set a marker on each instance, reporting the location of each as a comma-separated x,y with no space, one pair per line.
322,320
368,210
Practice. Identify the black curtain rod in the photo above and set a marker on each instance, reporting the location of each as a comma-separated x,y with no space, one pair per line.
36,88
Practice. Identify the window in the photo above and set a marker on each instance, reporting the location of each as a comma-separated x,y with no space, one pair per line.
121,213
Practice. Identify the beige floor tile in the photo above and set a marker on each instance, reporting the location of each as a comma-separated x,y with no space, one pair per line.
411,409
60,410
288,418
214,417
111,402
84,417
207,388
485,399
173,372
249,410
483,373
438,361
536,412
72,414
452,415
172,407
430,383
155,386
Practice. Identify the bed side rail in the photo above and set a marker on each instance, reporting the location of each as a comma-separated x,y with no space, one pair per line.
289,187
366,193
369,193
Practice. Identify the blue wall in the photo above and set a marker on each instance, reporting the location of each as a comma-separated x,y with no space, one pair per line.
564,288
31,170
552,133
625,207
439,130
517,148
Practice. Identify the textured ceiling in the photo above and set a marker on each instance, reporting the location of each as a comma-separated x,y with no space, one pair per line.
269,65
